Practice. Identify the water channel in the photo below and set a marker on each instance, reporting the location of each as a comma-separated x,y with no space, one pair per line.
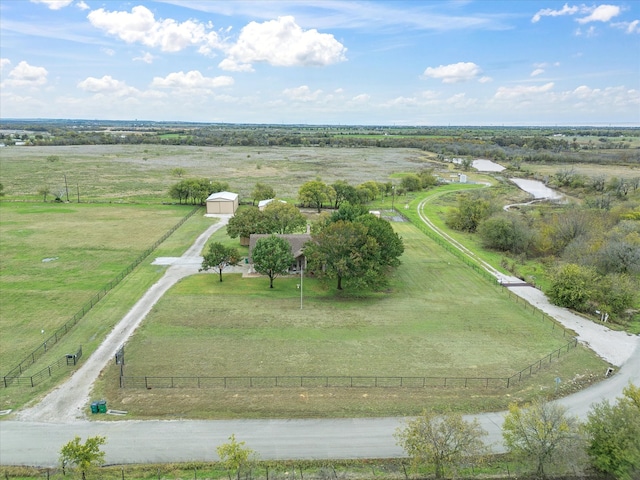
536,188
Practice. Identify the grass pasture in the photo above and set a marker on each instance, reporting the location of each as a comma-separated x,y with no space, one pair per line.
56,257
142,173
439,318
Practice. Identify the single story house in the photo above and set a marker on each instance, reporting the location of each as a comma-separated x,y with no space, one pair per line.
296,242
222,202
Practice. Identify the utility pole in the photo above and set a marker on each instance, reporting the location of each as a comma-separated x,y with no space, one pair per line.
66,186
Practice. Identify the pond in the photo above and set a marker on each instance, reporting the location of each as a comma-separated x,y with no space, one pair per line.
536,188
483,165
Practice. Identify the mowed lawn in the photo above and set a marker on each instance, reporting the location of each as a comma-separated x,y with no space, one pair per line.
439,318
55,257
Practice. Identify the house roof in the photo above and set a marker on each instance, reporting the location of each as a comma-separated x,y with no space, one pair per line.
225,196
295,240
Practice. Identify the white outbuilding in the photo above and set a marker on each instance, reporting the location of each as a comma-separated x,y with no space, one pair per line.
262,204
222,202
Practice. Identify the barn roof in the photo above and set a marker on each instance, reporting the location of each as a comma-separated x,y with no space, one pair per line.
226,196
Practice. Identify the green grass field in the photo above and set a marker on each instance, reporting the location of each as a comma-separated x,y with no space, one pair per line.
56,257
439,318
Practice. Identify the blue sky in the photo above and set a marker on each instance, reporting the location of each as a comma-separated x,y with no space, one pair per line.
343,62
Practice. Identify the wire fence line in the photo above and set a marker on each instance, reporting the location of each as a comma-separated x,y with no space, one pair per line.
483,272
64,329
308,381
334,381
70,359
433,235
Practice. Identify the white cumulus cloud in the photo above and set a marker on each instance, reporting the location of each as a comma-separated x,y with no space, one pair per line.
362,98
106,84
602,13
628,27
550,12
140,26
146,57
191,80
302,94
454,73
54,4
25,75
282,43
519,91
4,62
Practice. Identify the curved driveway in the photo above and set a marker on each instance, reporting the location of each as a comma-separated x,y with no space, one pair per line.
37,435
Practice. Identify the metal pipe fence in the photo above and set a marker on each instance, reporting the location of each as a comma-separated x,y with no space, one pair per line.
336,381
42,375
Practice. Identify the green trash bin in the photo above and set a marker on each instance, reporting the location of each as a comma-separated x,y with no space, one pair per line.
94,407
102,406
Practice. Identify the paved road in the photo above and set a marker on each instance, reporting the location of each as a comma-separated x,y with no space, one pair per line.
37,443
36,436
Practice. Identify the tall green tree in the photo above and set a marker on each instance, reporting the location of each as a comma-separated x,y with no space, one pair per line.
83,456
614,435
343,192
389,242
542,433
316,194
343,251
196,190
235,455
247,221
283,218
368,190
572,286
348,212
471,210
180,191
219,257
443,441
272,256
262,191
506,233
411,182
427,178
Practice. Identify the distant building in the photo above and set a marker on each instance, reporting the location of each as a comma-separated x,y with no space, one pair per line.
222,203
262,204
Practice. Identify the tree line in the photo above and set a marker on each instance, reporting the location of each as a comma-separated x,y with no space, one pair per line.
591,251
534,144
350,246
